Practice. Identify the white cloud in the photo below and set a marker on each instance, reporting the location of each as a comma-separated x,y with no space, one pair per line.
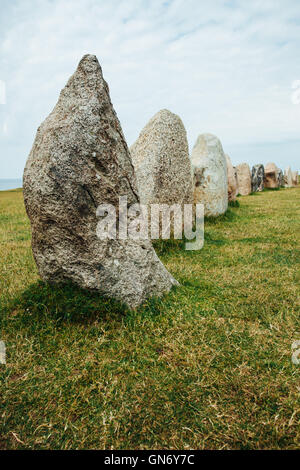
225,67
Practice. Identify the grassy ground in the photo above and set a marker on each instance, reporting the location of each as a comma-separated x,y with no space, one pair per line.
207,367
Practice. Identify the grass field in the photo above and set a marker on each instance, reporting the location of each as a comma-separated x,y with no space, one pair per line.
207,367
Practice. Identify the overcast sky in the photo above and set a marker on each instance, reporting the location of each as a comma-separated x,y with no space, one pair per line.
226,67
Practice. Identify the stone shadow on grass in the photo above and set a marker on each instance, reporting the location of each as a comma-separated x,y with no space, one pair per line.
164,247
66,302
229,216
210,239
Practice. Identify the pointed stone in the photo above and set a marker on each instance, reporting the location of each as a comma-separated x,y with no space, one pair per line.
78,161
280,178
236,179
257,178
295,178
244,179
161,161
210,175
288,177
232,180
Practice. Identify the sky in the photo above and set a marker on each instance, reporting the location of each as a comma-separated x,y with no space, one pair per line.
230,68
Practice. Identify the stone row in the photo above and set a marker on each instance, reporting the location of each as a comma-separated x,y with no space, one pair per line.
80,160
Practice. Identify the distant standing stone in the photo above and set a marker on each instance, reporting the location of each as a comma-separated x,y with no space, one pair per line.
288,177
232,180
210,175
295,178
244,179
236,180
78,161
271,176
280,178
257,178
161,161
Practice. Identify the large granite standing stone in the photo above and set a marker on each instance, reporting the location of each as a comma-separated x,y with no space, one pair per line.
257,178
210,175
244,179
78,161
288,177
161,161
280,178
295,178
271,176
232,180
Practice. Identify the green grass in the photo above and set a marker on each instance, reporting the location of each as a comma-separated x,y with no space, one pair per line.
207,367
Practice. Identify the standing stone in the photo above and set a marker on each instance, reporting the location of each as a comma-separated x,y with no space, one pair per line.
232,180
210,175
280,178
295,178
161,161
236,180
244,179
257,178
288,177
78,161
271,176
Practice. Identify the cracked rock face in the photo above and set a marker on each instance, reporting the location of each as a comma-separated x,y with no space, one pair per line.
78,161
288,177
210,175
271,180
161,161
257,178
244,179
232,180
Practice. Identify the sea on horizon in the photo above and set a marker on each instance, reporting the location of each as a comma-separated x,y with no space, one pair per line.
6,184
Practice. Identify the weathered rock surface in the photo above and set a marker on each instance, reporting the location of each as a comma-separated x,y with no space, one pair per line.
280,178
161,160
244,179
232,180
236,180
257,178
295,178
271,176
288,177
78,161
210,175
